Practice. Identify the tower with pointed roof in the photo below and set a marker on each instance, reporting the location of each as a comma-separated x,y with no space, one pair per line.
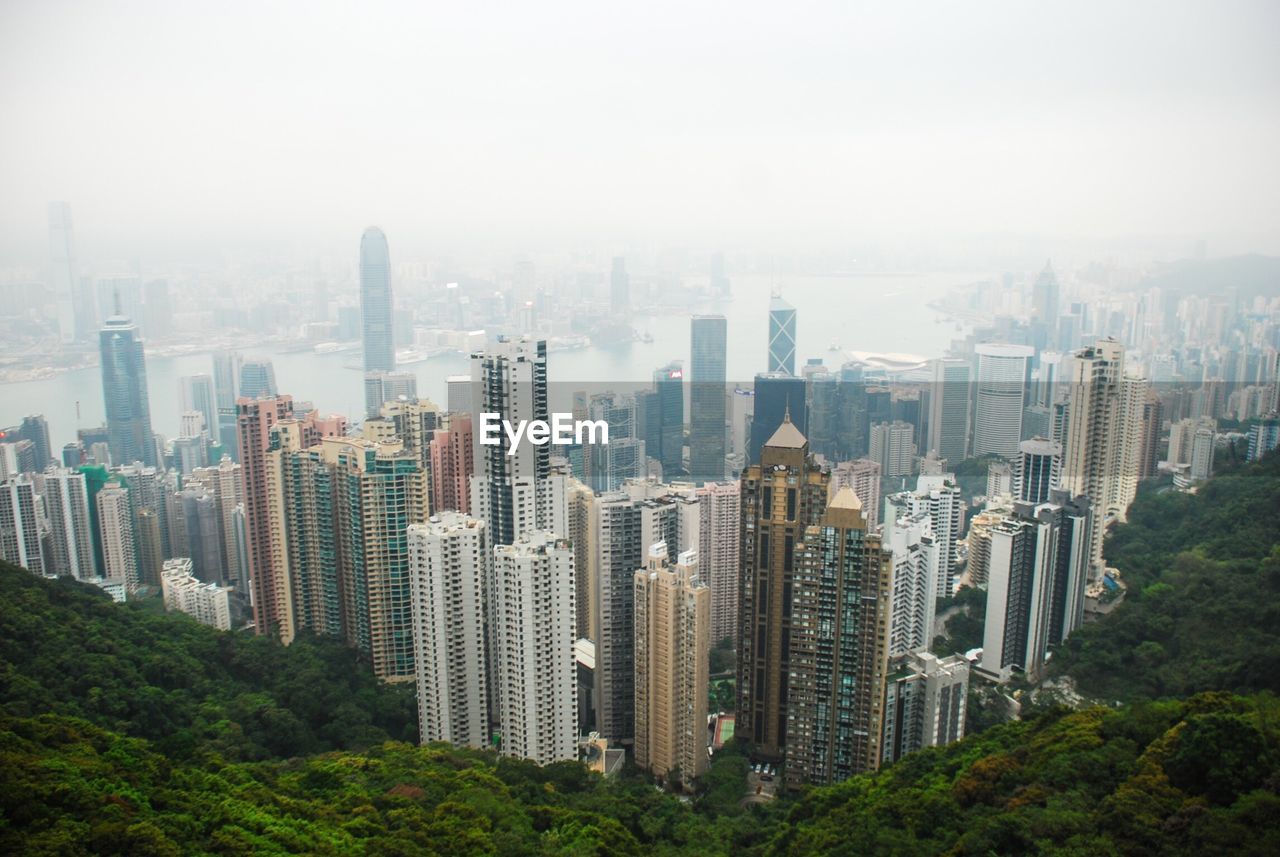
781,496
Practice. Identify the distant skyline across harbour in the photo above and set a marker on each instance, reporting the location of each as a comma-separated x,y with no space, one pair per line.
884,314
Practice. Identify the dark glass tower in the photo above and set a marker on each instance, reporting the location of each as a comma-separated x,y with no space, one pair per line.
124,393
375,302
777,393
709,341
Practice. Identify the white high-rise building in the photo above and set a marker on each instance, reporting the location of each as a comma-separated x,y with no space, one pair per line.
534,615
720,506
66,503
917,564
20,525
1103,449
892,447
207,603
511,488
115,519
449,571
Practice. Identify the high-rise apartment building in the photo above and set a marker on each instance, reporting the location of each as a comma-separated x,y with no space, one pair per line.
863,476
1037,570
536,669
450,563
66,503
451,465
1038,470
512,489
781,496
918,561
124,392
719,533
838,657
1104,438
20,536
782,336
672,656
892,448
925,702
119,551
708,344
198,395
1004,372
207,603
375,303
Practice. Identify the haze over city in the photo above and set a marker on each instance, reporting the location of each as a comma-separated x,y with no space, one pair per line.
180,131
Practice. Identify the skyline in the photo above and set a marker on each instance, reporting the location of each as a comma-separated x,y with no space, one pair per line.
175,132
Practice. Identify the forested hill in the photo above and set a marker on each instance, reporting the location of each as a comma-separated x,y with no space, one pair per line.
1202,610
66,648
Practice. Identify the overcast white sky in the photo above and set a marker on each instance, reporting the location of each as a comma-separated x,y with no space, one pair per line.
726,124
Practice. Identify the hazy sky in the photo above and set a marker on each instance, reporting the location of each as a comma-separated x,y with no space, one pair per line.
731,124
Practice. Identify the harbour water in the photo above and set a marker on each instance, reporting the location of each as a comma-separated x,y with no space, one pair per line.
862,312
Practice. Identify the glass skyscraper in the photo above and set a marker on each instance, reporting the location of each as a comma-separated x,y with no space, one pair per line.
708,335
124,393
782,336
375,302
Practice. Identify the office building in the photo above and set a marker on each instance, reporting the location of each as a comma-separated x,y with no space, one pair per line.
536,669
226,385
375,302
782,337
781,496
672,655
72,302
708,344
619,287
892,448
257,380
1004,371
778,396
925,702
184,592
450,561
664,420
381,387
124,392
838,644
198,395
949,409
610,464
720,508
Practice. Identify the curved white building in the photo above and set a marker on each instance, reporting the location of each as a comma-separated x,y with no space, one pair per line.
1002,384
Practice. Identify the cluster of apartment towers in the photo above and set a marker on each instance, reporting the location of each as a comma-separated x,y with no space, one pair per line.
532,609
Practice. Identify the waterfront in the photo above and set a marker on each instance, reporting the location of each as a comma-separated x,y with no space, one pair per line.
865,312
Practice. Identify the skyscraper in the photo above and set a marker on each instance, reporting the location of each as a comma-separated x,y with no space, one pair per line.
925,703
778,395
511,487
198,395
226,379
720,507
257,379
20,525
118,546
664,439
1104,437
536,669
451,465
709,341
863,476
66,503
949,416
892,448
839,647
781,496
672,654
74,308
35,428
375,302
782,336
450,562
124,393
1038,471
1003,375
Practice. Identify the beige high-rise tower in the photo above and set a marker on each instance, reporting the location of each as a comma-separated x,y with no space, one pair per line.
1103,450
673,649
